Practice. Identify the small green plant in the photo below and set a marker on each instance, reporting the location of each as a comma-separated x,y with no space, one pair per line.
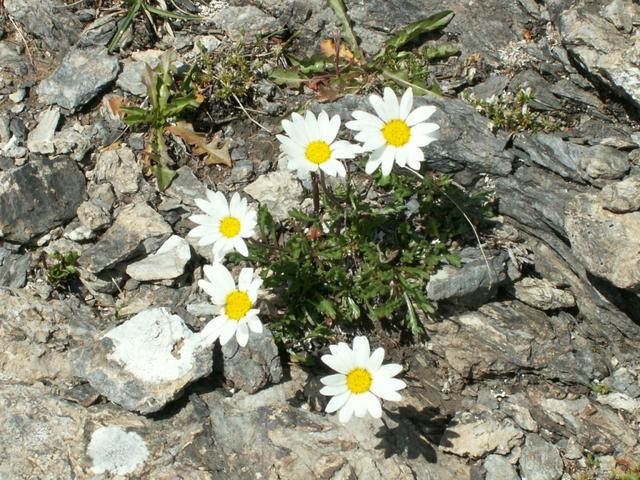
341,69
512,112
166,102
600,388
361,261
63,270
137,6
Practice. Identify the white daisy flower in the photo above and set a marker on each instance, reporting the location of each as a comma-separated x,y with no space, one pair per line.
310,144
225,225
361,380
396,134
236,313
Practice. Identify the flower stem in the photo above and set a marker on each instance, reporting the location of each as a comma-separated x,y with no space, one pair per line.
315,192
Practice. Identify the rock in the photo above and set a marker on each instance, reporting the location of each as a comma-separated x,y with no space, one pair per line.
12,59
167,263
241,171
116,451
255,366
494,85
46,20
130,80
622,197
40,139
119,168
569,160
18,95
503,338
621,13
279,191
137,229
79,78
620,401
477,434
146,362
38,196
244,21
623,381
93,216
13,268
99,32
567,89
186,187
473,283
541,294
599,48
465,141
514,407
35,336
75,141
499,468
540,460
544,99
606,243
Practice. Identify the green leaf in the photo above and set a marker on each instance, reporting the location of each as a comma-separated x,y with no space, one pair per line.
167,14
266,225
415,29
314,64
402,79
412,318
125,24
326,307
287,76
440,52
136,116
300,215
178,104
164,176
350,37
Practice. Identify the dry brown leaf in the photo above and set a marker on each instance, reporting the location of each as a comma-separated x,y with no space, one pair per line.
216,153
328,49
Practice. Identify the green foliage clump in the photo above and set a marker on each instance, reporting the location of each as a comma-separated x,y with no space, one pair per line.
512,112
167,101
600,388
60,273
361,261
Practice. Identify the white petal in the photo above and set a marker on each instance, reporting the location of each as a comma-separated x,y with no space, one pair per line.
415,156
406,103
347,410
329,168
242,334
245,278
385,393
218,296
336,363
337,402
366,118
387,159
254,324
200,231
204,220
375,360
311,126
372,166
211,330
227,331
401,156
296,134
333,390
240,246
391,103
424,129
389,370
373,404
206,207
219,202
335,379
235,206
344,149
420,114
374,141
361,351
361,404
218,275
378,105
332,129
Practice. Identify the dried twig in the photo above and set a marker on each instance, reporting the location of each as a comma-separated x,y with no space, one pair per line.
24,40
249,116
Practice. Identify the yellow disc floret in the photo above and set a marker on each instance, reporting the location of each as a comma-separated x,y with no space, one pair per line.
396,132
318,152
230,227
237,305
359,380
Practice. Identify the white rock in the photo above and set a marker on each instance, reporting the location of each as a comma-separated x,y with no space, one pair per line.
167,263
120,169
40,139
620,401
18,95
113,450
155,346
280,191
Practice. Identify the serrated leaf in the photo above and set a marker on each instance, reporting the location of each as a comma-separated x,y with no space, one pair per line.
326,307
420,27
287,76
340,10
164,176
402,78
313,64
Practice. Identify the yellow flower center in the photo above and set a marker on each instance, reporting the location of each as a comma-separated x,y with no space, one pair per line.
237,305
318,152
359,380
396,132
230,227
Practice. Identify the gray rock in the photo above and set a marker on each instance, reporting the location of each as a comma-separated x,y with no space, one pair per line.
74,141
621,401
569,90
465,141
245,22
241,171
40,139
13,268
498,467
279,191
255,366
494,85
93,216
472,284
18,95
600,49
542,294
137,229
503,338
119,168
38,196
623,381
116,451
146,362
130,80
167,263
540,460
477,434
606,243
99,32
514,407
544,99
621,13
622,197
79,78
12,59
46,20
186,187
